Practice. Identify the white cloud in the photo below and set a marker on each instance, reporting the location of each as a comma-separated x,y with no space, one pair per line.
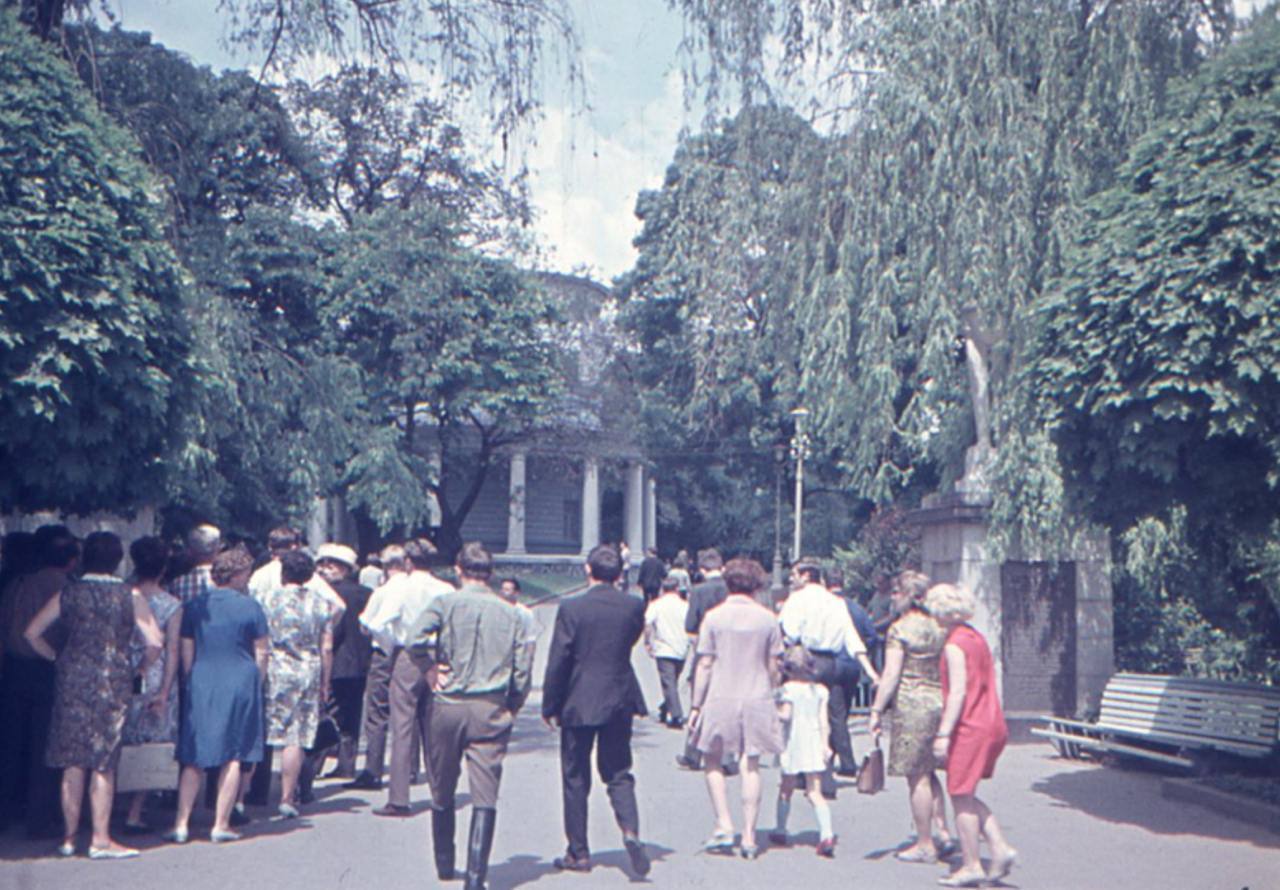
584,182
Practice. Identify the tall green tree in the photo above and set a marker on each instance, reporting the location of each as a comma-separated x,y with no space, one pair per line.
710,304
977,128
459,358
95,345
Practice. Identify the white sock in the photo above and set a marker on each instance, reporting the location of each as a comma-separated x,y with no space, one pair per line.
823,812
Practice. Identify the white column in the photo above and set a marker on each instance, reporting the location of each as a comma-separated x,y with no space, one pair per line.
651,513
633,509
434,516
515,514
590,503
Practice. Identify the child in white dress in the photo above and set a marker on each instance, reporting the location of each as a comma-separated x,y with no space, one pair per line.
802,706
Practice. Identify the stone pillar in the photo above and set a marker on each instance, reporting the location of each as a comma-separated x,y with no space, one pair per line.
1095,629
633,509
434,514
651,512
318,523
515,512
590,504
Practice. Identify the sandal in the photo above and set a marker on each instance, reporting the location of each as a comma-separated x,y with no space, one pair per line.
1001,866
964,878
721,842
947,848
916,855
750,853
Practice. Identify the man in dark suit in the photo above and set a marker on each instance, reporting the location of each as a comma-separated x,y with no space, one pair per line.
590,694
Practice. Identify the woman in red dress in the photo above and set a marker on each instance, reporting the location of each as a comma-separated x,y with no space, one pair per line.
971,734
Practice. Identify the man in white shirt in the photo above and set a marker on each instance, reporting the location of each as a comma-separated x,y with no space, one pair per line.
267,577
377,689
818,619
399,610
667,642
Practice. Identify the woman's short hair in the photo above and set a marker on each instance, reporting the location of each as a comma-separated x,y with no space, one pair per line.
744,575
296,567
229,563
950,603
914,584
102,553
283,538
150,558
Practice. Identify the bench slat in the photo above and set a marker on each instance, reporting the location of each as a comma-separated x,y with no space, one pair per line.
1107,745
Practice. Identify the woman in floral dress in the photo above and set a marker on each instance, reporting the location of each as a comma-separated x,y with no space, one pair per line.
153,712
910,693
94,683
299,670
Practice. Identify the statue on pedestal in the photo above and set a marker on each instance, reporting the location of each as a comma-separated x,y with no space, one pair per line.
980,455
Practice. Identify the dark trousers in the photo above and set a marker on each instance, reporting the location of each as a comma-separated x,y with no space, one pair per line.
669,676
613,761
842,691
27,786
410,718
377,712
348,696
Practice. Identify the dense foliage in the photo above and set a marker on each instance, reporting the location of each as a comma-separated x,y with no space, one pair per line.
94,339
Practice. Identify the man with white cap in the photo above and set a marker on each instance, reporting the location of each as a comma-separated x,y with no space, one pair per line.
352,649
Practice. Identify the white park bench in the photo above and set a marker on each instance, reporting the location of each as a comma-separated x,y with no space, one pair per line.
1174,720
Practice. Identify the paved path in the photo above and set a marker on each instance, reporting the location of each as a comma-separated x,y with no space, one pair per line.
1078,827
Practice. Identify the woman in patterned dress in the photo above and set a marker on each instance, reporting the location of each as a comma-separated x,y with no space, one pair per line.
911,664
971,734
94,684
299,670
153,711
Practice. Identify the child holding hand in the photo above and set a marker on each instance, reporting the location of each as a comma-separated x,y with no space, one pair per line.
802,706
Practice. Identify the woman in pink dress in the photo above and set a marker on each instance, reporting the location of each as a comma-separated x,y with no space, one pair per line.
971,734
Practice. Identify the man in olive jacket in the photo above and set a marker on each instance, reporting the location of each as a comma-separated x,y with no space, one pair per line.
590,693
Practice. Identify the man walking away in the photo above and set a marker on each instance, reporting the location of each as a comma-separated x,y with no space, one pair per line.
590,694
665,639
377,689
844,691
652,571
484,672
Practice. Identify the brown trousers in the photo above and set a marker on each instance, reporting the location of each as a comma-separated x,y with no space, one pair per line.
410,711
477,729
377,711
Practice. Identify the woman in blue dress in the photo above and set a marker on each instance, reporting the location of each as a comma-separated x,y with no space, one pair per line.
224,655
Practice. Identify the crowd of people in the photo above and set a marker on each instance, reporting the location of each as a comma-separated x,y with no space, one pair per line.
229,658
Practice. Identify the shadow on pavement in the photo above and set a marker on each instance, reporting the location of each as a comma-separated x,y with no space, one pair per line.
1132,796
525,868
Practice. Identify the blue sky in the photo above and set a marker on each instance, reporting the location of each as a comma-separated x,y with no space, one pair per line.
587,166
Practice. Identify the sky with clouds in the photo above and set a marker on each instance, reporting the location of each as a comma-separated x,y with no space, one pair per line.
587,165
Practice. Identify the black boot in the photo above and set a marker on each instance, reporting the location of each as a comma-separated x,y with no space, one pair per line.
482,819
442,831
307,777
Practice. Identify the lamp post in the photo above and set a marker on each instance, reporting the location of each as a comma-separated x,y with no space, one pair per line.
779,459
799,450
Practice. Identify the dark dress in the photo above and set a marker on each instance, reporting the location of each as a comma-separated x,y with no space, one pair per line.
222,710
94,674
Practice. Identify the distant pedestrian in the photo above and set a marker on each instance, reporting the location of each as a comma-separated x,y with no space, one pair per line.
667,643
733,712
591,695
802,706
652,571
971,735
371,575
510,590
203,543
680,571
703,597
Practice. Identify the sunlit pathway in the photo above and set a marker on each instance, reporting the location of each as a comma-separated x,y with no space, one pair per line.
1078,827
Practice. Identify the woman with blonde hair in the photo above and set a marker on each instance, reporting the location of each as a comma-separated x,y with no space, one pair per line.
910,695
971,734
